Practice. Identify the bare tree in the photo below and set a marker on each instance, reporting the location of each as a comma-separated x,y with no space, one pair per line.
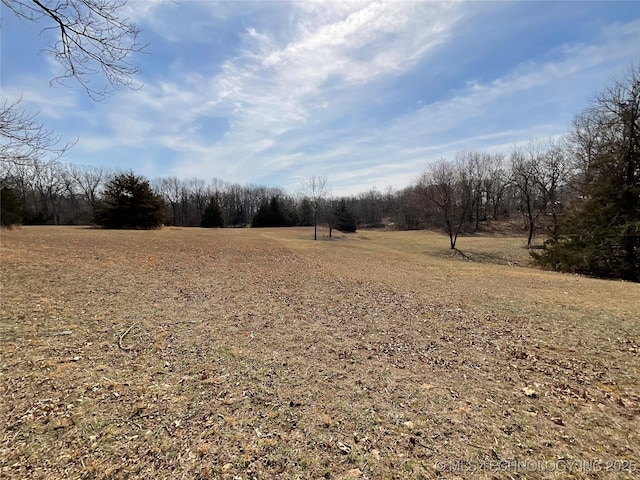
199,196
618,107
447,185
583,144
169,188
554,174
539,171
20,176
233,205
49,187
89,179
70,195
477,171
523,168
217,187
370,205
496,184
316,188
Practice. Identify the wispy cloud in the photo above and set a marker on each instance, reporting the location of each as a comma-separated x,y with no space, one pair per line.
271,89
38,101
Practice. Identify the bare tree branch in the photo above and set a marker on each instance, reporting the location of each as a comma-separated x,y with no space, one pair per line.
26,140
93,39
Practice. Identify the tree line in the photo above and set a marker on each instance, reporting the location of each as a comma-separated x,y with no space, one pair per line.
459,195
55,193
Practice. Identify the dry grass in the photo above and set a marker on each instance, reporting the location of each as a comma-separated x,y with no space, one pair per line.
189,353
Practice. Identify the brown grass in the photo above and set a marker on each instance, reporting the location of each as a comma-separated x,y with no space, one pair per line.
190,353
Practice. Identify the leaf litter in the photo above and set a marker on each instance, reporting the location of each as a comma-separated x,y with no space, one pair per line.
244,354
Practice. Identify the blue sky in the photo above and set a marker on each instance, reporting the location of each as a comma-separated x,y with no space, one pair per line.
366,94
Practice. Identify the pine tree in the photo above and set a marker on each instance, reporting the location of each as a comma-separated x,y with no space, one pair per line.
128,202
306,213
212,216
343,219
272,214
10,208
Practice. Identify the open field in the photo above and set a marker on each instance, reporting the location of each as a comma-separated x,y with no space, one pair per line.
239,354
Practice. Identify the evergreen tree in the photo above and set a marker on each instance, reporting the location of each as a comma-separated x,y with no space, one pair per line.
128,202
239,217
271,214
306,213
212,216
343,219
10,208
600,235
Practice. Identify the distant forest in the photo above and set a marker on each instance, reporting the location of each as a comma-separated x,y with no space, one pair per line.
483,186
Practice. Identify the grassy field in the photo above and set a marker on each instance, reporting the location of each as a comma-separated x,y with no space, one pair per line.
240,354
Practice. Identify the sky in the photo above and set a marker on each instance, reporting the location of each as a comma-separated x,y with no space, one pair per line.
364,93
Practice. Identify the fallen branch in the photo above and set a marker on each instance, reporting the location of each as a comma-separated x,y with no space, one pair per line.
124,335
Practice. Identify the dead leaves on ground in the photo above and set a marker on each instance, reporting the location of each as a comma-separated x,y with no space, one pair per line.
244,357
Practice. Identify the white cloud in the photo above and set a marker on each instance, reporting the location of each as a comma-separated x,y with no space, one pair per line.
53,103
140,10
273,89
504,95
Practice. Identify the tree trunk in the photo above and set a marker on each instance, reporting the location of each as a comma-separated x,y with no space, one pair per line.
530,235
315,224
